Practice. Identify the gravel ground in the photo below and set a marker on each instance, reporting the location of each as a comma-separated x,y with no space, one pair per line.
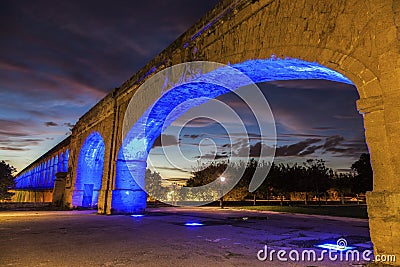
160,238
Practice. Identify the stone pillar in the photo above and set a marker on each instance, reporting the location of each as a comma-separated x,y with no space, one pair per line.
77,197
59,189
384,222
384,201
128,197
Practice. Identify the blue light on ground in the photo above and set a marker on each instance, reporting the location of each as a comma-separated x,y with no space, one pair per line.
334,247
193,224
137,215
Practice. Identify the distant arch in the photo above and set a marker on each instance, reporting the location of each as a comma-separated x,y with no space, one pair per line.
89,172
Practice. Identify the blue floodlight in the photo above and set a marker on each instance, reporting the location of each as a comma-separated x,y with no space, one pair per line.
193,224
137,215
334,247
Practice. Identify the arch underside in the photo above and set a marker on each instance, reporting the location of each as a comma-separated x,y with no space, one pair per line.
89,172
128,196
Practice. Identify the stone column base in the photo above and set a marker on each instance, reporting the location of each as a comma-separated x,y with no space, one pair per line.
127,201
384,223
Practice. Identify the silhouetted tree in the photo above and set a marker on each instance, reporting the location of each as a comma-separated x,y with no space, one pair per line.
206,173
266,188
6,180
153,184
342,183
312,176
363,181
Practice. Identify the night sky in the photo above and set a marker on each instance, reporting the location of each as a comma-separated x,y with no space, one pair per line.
58,59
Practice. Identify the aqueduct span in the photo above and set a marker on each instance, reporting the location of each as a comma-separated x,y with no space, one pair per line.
359,39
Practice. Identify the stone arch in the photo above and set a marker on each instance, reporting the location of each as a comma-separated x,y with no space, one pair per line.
55,169
48,173
51,171
371,104
60,162
128,196
89,172
41,182
65,159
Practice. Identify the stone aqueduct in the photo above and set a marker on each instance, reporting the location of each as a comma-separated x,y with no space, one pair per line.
359,39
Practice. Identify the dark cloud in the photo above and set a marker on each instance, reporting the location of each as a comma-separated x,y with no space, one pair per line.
201,122
301,135
339,147
192,136
212,156
13,148
332,142
345,117
351,150
255,150
309,150
14,128
165,140
13,134
83,43
295,149
11,124
58,59
324,128
169,168
20,142
50,124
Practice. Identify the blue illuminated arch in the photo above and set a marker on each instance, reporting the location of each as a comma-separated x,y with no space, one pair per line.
60,162
65,161
89,172
48,174
43,176
127,197
55,169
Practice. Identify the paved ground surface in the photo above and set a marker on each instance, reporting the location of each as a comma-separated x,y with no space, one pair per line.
228,238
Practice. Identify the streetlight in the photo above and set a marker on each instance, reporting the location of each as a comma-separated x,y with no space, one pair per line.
221,200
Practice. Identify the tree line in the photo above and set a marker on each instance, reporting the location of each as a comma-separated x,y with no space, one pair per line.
311,176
